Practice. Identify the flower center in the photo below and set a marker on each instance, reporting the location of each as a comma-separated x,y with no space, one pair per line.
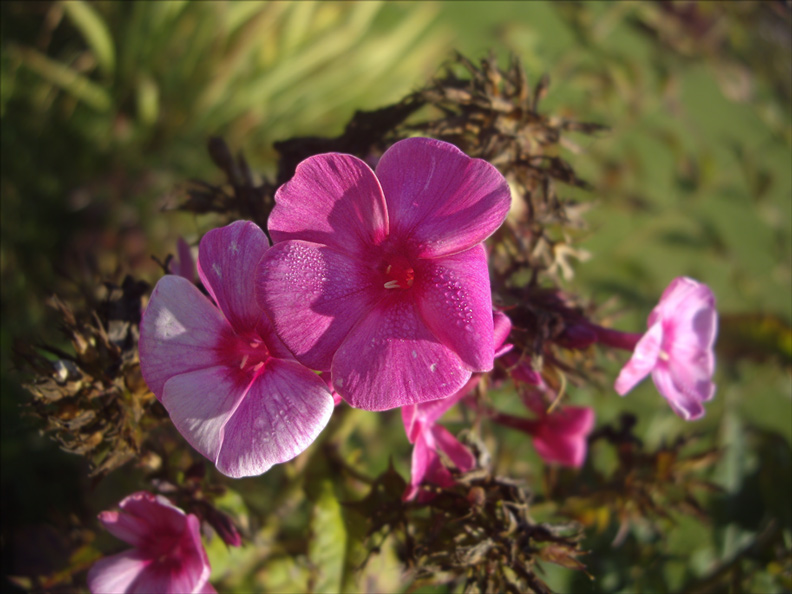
399,274
244,352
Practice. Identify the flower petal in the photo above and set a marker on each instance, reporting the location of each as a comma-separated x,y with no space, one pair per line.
314,295
200,403
461,456
391,359
643,360
501,329
178,333
454,298
439,199
116,574
227,261
430,412
685,400
144,518
284,411
335,200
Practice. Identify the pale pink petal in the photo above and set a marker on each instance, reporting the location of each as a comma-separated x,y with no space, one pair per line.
681,293
684,396
200,403
440,200
335,200
284,411
179,332
116,574
391,359
642,362
314,295
227,261
461,456
455,301
144,518
207,588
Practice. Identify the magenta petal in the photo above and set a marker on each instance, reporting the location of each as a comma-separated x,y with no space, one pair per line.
314,295
391,359
462,457
178,333
141,515
284,411
642,362
227,261
200,403
439,199
333,199
431,411
116,574
455,301
501,329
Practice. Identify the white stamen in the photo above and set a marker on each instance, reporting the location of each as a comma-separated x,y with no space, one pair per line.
393,284
258,366
244,360
663,356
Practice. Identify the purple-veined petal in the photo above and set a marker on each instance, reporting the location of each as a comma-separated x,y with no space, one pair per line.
438,198
314,295
642,362
284,411
116,574
178,333
684,400
455,301
227,261
200,403
391,359
335,200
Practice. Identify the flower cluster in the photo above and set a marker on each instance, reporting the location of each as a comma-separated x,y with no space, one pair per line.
378,280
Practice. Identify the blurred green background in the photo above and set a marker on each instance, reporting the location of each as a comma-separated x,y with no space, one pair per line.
106,109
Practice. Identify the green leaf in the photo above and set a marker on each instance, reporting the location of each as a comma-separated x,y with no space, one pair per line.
327,547
95,32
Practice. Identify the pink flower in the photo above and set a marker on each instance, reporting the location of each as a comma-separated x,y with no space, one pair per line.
232,389
559,437
382,279
677,349
167,557
420,423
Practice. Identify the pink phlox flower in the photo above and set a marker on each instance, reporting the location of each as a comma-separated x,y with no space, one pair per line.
382,279
185,265
429,438
167,555
231,387
420,424
678,349
560,436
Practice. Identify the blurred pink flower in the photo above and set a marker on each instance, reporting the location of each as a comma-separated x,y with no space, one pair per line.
185,265
560,436
382,279
677,349
232,389
168,555
420,423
